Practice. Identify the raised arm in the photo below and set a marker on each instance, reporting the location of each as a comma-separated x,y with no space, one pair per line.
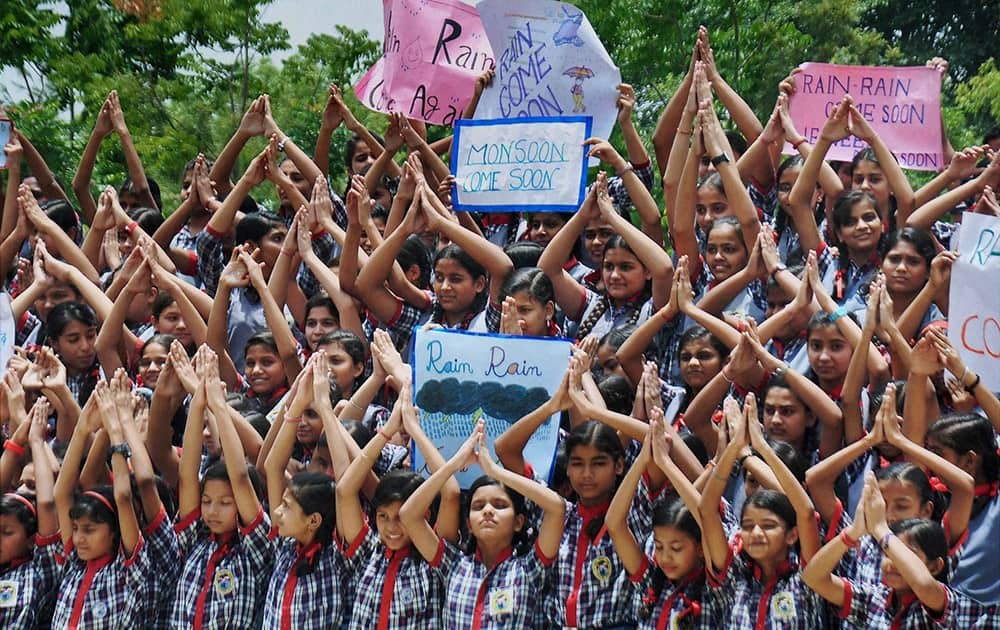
664,136
509,446
616,520
252,124
122,480
738,109
713,534
805,512
236,462
569,294
67,248
288,347
69,472
898,182
48,520
969,380
819,572
85,171
189,488
135,171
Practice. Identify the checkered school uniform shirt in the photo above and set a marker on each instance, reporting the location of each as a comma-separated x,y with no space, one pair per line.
784,602
393,590
164,557
590,588
876,608
28,584
478,598
314,601
101,594
221,584
612,317
683,605
618,193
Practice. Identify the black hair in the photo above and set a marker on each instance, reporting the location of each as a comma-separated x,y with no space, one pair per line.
61,213
713,180
352,344
841,214
523,538
671,513
86,505
781,218
358,431
992,134
218,472
160,339
810,436
240,402
736,142
351,146
524,253
964,432
921,240
915,476
322,300
11,506
62,315
395,486
790,456
695,333
732,222
774,502
822,319
617,336
617,392
415,252
149,219
128,186
255,226
471,265
162,300
316,493
603,438
189,165
696,446
263,338
530,279
258,421
928,536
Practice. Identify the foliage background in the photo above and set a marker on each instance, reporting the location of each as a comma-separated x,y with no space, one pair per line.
179,99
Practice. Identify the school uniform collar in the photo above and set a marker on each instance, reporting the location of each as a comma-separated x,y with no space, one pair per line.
16,562
504,555
224,539
274,397
572,262
306,552
99,563
785,568
392,554
590,512
903,600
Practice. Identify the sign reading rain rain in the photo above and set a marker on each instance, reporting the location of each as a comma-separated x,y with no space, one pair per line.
460,377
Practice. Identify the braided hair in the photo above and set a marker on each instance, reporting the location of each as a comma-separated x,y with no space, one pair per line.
598,309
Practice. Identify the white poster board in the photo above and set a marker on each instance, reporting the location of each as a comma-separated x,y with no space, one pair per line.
974,299
460,377
520,164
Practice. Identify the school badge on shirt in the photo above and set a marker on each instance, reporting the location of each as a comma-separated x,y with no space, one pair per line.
8,593
601,568
783,606
501,601
225,581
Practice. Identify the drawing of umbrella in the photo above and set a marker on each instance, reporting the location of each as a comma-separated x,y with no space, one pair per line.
579,73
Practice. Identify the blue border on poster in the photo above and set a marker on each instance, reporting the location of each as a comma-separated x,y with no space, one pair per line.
463,122
413,376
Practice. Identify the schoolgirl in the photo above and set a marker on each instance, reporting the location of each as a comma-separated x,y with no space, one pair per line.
498,583
467,273
225,554
305,584
630,261
527,305
29,571
543,227
914,591
968,442
905,486
395,585
671,583
105,561
72,331
757,575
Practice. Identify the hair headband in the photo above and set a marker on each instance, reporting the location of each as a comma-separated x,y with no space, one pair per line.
26,502
100,497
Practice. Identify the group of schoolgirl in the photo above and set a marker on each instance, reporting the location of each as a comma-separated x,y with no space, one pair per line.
865,488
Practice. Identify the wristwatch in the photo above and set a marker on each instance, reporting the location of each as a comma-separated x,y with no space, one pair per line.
123,448
719,159
777,268
281,144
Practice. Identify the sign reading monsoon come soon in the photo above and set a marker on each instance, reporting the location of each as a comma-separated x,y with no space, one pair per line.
505,165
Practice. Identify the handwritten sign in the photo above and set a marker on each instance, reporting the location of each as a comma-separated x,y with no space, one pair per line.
431,56
974,313
903,105
7,330
550,63
460,377
6,129
520,164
